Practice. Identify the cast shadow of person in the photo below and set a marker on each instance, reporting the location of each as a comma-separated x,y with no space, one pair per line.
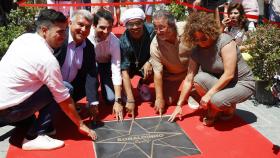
276,149
240,119
226,125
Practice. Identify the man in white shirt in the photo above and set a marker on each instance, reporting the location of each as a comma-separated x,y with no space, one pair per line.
77,60
31,81
107,50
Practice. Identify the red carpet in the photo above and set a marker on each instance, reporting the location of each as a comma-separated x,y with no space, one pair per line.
231,139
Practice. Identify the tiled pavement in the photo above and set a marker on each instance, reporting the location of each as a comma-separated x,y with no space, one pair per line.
266,119
5,133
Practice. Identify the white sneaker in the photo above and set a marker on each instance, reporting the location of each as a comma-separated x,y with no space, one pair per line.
42,142
193,104
144,92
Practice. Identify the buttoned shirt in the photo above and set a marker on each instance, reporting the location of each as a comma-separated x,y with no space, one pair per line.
171,58
73,60
108,51
29,64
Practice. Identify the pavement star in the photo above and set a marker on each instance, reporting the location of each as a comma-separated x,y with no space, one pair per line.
137,136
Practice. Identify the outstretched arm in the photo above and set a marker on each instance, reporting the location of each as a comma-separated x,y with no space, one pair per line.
229,58
159,102
68,107
130,103
187,86
118,108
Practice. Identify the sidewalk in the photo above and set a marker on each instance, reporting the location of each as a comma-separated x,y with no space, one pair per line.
265,119
5,133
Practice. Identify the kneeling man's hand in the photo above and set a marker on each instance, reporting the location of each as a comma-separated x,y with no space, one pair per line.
130,106
89,132
148,70
118,111
178,110
93,110
159,106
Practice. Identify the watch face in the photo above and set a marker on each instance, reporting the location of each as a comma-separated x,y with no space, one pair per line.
119,100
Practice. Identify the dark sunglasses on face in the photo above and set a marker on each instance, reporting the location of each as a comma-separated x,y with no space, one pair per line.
130,25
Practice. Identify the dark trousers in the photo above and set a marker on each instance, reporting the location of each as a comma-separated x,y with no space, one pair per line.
42,101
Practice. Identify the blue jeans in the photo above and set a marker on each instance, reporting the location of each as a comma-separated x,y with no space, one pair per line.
42,101
107,88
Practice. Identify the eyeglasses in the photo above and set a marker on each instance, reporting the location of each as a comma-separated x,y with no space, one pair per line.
130,25
160,28
204,38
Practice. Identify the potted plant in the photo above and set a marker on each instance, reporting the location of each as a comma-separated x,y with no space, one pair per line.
177,10
265,59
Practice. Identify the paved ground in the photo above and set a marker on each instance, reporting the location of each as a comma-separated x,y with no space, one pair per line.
5,133
266,119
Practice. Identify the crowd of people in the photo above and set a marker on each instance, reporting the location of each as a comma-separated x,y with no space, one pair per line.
67,60
270,9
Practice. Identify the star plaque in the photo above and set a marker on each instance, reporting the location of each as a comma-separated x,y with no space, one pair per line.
152,137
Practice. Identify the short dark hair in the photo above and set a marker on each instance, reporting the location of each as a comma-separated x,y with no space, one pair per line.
47,17
102,13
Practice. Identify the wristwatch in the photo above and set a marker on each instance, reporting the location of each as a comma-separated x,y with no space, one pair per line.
118,100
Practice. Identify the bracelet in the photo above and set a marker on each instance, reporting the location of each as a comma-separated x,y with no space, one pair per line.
179,105
130,101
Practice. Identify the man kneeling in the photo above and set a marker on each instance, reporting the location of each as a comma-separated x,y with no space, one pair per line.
31,81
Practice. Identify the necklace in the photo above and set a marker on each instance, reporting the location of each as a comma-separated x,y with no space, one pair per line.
137,56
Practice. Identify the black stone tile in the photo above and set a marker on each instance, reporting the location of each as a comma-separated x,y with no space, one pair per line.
144,137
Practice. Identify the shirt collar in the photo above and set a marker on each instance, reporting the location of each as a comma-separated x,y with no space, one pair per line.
70,38
72,42
95,37
45,42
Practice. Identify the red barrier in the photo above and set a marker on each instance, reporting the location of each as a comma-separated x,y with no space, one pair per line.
22,4
93,4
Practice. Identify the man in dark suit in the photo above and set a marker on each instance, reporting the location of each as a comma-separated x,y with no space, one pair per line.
77,61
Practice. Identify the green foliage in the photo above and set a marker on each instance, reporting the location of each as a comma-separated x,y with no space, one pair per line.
177,10
265,51
19,21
